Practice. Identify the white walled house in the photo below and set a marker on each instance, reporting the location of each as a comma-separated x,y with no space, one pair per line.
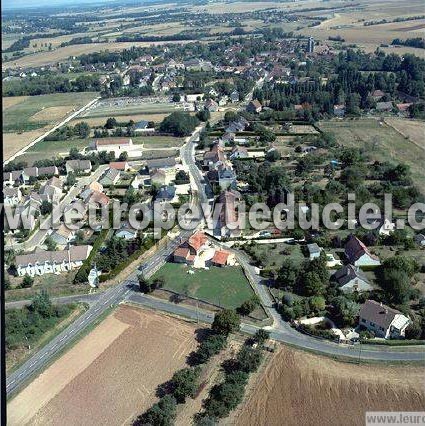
385,322
358,254
351,279
51,262
12,196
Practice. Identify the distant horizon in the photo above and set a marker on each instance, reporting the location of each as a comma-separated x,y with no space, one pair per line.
33,4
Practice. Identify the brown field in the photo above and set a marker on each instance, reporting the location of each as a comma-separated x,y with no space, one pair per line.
13,142
306,389
12,100
52,113
414,130
111,375
100,121
369,37
63,53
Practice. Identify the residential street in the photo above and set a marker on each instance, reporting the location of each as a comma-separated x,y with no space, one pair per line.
280,330
37,238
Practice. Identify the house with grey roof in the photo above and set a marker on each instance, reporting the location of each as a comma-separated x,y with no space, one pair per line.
313,250
110,177
78,166
382,320
350,279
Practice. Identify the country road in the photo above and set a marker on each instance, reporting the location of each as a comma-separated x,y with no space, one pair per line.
55,127
126,291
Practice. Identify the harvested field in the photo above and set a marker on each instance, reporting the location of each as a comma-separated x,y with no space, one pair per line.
135,351
12,100
381,142
52,113
306,389
414,130
13,142
101,120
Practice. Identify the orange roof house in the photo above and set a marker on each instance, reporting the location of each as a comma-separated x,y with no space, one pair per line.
221,258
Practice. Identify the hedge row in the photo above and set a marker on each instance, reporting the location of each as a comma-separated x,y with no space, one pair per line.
119,268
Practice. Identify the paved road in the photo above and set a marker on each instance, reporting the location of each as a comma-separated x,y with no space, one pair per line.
280,330
84,298
285,335
37,238
45,354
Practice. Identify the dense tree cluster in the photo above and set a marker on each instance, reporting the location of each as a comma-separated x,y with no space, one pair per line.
179,124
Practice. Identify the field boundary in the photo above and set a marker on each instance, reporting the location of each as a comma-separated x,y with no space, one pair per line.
55,127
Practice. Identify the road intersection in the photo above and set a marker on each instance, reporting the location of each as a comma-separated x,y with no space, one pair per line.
127,291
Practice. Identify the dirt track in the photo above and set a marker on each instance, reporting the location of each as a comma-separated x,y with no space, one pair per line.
300,389
111,375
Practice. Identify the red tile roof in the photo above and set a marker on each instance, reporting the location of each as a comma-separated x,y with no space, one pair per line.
220,257
118,165
197,240
181,252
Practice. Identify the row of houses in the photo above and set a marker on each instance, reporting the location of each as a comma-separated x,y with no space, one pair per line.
23,177
51,262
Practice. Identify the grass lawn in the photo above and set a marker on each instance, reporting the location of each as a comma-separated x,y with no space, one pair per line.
56,285
51,149
158,141
227,287
38,111
381,142
273,254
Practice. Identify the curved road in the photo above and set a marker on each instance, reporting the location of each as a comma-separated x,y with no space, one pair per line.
280,330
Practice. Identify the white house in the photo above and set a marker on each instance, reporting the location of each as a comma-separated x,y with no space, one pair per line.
351,279
51,262
358,254
386,227
382,320
12,196
63,235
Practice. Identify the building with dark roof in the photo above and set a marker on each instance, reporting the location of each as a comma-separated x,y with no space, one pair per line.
382,320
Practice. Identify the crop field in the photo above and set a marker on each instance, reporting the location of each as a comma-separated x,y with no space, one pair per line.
51,149
120,117
63,53
381,142
348,23
27,117
35,112
135,351
308,389
117,110
227,287
161,142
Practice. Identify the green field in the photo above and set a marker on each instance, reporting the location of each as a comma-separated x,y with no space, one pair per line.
142,108
17,118
272,255
381,142
51,149
227,287
158,141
